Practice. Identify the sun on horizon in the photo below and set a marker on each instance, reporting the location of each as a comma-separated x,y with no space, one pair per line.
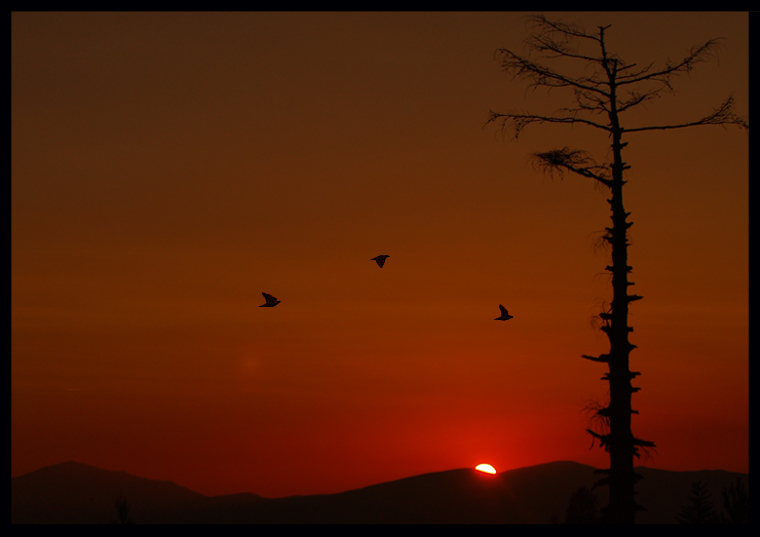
485,468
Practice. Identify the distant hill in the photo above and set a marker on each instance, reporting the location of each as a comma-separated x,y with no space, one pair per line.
71,492
77,493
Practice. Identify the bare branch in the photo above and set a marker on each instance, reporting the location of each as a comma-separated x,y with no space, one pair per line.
587,102
546,43
519,121
637,98
635,74
603,442
544,27
723,115
696,55
540,75
573,160
604,358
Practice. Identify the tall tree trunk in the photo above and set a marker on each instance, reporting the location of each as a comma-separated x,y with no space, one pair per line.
620,441
621,507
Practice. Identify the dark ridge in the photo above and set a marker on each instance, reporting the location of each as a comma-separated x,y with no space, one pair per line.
77,493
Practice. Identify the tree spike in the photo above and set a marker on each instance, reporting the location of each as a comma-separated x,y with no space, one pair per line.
603,439
600,358
644,443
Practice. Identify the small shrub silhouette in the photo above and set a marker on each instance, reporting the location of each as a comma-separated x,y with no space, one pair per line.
700,508
123,509
736,503
582,507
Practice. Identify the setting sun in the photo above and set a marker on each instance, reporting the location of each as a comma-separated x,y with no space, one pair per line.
485,468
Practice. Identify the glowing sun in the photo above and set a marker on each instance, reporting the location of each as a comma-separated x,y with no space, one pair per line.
485,468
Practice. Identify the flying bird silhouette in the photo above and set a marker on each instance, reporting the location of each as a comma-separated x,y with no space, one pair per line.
380,260
505,316
271,301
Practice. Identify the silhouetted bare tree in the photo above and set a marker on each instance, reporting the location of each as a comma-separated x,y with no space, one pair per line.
601,100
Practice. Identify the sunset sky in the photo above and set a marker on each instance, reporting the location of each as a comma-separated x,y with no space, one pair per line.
168,168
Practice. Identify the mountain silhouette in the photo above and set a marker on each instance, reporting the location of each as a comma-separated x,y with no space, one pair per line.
72,492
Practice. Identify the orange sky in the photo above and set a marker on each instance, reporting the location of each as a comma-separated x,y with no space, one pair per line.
169,167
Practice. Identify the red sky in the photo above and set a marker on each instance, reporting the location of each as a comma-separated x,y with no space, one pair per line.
169,167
